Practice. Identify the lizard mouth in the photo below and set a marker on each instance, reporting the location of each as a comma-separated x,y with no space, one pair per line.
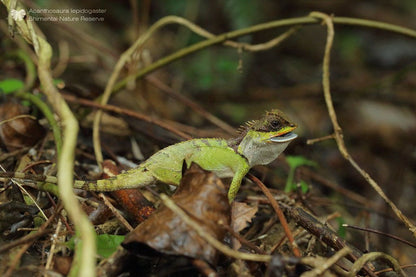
286,135
284,138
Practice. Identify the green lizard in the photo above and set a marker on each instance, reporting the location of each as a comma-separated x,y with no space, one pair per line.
259,142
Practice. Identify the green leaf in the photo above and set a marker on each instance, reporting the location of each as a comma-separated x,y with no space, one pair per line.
10,85
71,243
294,162
107,244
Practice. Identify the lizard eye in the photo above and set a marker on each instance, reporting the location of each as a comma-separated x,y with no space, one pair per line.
275,124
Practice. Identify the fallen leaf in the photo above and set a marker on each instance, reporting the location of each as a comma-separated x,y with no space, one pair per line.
241,216
204,197
62,264
17,128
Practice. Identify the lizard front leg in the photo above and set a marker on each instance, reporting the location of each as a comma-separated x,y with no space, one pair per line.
236,182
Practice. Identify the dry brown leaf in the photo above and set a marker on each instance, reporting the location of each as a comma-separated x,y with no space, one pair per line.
204,197
241,215
62,264
18,129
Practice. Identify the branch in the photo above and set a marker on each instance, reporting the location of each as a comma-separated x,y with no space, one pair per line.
279,213
337,128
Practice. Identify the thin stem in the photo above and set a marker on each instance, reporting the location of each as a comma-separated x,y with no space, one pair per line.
279,213
337,129
306,20
44,108
360,263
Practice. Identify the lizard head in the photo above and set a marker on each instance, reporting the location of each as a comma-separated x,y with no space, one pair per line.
264,139
274,127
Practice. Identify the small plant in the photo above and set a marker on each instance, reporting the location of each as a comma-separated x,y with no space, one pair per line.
106,244
295,162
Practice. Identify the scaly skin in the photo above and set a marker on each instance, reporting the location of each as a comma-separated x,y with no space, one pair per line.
259,142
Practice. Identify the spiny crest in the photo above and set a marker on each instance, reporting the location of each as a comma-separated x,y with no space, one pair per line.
273,120
245,126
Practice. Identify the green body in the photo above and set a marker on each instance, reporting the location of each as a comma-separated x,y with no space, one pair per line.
258,143
166,166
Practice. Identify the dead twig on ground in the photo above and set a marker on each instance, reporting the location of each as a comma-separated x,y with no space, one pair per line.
279,213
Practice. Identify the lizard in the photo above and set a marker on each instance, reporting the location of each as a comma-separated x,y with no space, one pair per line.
259,142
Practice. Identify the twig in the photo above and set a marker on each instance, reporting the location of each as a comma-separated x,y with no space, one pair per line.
337,129
306,20
336,187
209,238
30,69
115,212
380,233
279,213
212,40
315,140
319,230
391,269
318,271
374,256
63,58
51,252
17,117
85,102
243,240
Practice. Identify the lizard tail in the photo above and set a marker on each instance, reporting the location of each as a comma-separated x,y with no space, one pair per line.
28,176
133,178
